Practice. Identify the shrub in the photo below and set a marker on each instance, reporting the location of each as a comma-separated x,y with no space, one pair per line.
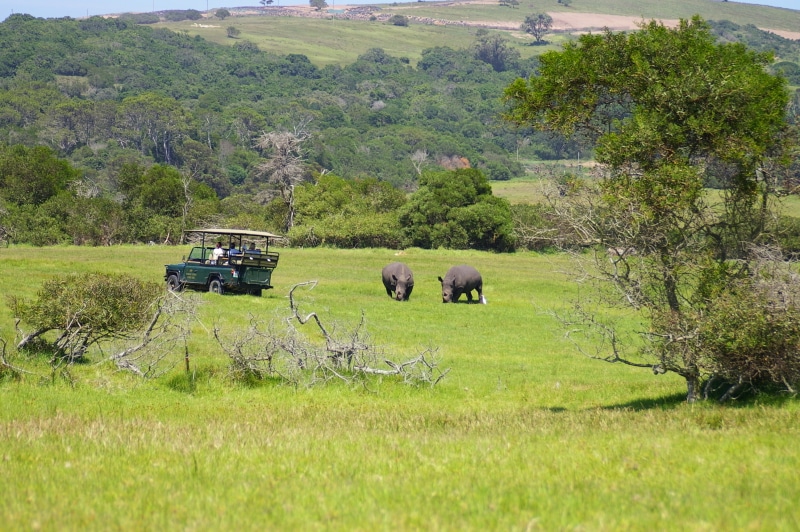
456,210
378,230
85,309
398,20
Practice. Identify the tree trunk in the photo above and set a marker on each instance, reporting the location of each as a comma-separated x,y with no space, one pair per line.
692,388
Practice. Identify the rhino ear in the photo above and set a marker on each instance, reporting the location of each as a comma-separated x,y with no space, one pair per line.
441,280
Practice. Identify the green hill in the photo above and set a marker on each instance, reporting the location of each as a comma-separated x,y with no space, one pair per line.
339,36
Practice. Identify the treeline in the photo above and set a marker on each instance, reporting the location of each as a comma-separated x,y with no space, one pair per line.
44,201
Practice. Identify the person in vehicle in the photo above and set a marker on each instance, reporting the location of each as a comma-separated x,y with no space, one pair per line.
233,251
217,254
252,248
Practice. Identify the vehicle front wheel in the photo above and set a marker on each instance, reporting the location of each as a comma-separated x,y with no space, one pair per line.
215,286
174,283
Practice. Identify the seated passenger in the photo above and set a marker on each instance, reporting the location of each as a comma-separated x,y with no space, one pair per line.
252,249
217,254
233,251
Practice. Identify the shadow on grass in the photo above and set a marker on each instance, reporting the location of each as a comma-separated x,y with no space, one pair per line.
186,382
662,403
746,400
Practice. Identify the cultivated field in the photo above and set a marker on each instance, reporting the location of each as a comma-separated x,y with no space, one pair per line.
522,434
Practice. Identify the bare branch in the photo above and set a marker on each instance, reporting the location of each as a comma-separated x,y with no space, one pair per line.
348,356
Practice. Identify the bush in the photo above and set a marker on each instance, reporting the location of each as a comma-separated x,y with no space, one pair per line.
398,20
787,236
85,309
379,230
183,14
533,228
141,18
456,210
751,333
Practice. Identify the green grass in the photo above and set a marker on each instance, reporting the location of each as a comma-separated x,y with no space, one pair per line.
523,433
329,41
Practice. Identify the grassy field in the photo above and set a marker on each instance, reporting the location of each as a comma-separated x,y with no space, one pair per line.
338,41
522,434
328,41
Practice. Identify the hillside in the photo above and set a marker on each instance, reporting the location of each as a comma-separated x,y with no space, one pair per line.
338,36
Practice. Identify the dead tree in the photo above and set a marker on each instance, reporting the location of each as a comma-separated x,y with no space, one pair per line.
153,351
284,168
349,356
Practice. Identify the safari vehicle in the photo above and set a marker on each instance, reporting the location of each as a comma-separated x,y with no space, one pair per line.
244,264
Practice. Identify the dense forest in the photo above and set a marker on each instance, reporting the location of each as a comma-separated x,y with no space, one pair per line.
115,131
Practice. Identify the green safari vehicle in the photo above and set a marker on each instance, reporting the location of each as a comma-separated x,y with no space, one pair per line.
225,260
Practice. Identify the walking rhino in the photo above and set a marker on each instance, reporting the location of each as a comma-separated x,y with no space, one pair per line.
397,278
461,280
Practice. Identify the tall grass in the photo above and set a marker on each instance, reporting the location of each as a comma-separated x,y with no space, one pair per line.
522,434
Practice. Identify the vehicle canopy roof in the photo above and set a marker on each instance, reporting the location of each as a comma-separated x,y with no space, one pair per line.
234,232
232,236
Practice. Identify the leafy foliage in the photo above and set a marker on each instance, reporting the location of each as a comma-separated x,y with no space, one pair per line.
694,107
349,214
456,210
537,25
398,20
86,309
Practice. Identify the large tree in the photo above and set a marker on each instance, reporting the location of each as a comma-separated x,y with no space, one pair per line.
537,25
696,110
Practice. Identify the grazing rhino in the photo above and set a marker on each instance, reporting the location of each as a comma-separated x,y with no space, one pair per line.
461,280
397,278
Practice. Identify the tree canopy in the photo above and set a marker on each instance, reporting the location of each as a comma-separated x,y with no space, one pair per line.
456,209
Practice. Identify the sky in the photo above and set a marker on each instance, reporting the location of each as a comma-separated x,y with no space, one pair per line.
83,8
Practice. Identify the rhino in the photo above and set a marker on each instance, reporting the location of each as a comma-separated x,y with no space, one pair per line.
461,280
397,278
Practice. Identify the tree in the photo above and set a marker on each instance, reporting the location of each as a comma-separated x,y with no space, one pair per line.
348,213
398,20
154,123
285,167
537,25
31,176
222,14
266,2
318,5
667,249
495,50
233,32
455,209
